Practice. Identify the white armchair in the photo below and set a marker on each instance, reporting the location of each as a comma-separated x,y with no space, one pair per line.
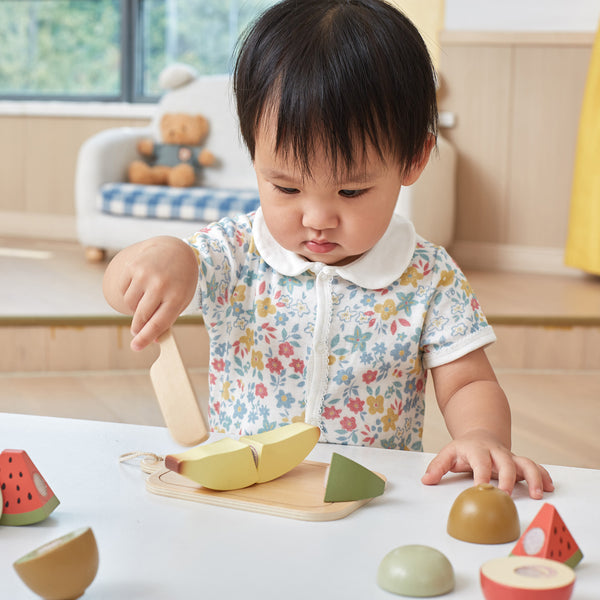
104,158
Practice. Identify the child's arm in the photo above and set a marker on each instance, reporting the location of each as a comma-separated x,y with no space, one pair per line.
154,281
477,415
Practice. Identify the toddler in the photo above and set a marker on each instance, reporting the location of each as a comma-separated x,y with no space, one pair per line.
324,305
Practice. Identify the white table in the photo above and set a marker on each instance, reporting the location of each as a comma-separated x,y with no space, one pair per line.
152,547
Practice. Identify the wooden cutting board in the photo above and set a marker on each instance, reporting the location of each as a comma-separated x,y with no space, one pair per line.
295,495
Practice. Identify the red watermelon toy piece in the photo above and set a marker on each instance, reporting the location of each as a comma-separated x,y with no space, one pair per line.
26,497
548,537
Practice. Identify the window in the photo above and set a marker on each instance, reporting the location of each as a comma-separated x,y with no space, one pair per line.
113,50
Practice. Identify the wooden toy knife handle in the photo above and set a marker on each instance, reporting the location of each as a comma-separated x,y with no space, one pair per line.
175,394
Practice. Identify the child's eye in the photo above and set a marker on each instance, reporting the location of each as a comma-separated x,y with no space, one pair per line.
351,193
286,190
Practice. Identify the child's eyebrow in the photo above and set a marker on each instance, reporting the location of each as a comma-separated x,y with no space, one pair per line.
358,178
275,174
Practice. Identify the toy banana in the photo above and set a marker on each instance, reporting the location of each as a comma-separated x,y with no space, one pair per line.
230,464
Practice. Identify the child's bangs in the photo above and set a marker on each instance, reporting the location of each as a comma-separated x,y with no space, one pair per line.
355,75
307,126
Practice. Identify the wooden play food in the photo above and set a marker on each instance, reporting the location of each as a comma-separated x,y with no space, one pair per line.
175,394
415,570
229,464
484,514
63,568
548,537
26,497
222,465
281,449
526,578
348,481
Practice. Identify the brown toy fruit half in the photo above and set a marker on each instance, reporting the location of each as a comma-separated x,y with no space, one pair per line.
484,514
63,568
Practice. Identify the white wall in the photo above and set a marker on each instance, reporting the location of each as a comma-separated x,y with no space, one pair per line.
522,15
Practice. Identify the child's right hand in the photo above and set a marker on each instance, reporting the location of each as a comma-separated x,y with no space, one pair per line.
154,281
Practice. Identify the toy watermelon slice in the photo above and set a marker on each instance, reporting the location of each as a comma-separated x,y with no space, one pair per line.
26,497
548,537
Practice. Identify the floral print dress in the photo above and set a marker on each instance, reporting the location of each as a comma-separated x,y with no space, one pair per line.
345,348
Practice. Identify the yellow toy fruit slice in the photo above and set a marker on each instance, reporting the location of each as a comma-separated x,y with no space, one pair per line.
222,465
280,450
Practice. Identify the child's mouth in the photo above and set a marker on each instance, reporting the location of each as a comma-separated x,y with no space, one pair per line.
320,246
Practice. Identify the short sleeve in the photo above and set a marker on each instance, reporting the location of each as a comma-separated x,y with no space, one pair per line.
221,249
454,324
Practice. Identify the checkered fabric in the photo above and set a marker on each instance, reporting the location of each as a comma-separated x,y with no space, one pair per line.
185,204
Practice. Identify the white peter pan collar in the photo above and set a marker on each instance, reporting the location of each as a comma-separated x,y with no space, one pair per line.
376,269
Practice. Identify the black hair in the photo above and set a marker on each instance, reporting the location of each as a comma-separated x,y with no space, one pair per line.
337,73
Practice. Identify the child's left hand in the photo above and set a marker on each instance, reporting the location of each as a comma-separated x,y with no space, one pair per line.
486,457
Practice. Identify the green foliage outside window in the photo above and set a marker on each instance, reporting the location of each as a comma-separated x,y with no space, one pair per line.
60,47
74,48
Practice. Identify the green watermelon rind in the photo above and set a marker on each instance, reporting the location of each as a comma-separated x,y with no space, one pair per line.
574,559
33,516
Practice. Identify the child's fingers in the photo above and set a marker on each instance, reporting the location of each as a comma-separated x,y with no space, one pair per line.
537,478
486,464
159,322
147,307
547,483
477,461
480,462
444,462
506,470
132,294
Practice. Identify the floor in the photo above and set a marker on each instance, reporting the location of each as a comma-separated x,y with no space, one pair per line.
556,412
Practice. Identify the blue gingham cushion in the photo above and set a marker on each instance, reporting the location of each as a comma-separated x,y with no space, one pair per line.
185,204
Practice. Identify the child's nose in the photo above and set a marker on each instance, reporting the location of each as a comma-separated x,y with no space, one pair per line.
319,216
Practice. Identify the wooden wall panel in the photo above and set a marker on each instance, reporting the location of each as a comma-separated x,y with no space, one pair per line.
516,98
548,90
12,163
38,156
476,86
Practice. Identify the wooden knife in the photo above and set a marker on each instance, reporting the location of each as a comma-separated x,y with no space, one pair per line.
175,394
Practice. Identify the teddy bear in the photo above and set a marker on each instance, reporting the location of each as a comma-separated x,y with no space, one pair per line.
175,156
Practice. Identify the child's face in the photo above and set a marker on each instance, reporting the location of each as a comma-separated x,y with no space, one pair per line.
326,218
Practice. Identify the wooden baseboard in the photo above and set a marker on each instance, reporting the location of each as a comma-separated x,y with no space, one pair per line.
504,257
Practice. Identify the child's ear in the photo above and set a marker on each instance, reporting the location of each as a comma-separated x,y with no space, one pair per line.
420,163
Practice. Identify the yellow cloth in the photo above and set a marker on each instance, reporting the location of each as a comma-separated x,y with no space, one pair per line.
583,242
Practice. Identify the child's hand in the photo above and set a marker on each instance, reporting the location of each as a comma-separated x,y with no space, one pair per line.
154,281
484,456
